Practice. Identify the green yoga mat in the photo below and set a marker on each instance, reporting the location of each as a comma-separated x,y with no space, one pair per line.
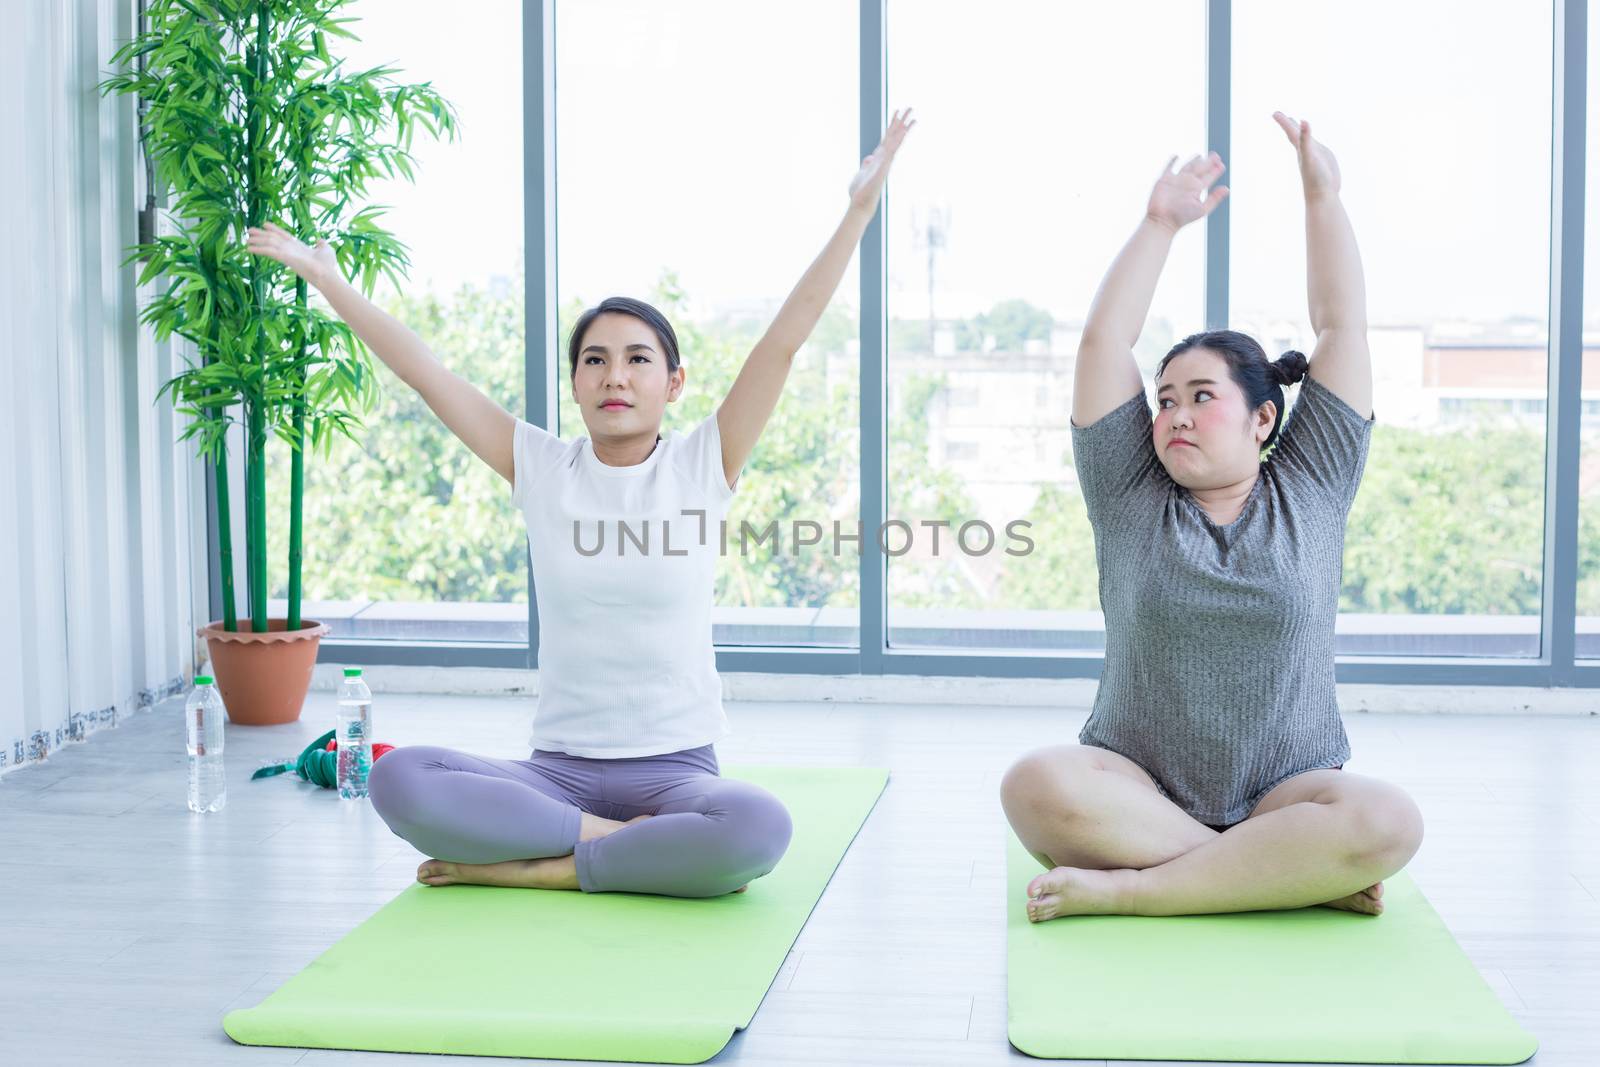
481,970
1313,985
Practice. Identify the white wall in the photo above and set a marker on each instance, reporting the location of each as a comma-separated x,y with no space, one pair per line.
97,497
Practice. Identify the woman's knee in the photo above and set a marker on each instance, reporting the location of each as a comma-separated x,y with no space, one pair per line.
759,830
392,782
1045,779
1388,826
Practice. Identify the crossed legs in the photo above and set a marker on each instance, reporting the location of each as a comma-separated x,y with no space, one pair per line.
1115,845
680,828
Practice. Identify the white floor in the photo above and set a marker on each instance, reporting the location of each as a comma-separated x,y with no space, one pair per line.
131,925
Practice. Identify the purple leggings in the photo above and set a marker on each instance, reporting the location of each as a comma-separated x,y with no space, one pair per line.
709,835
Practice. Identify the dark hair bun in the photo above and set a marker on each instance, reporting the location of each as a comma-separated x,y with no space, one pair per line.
1288,368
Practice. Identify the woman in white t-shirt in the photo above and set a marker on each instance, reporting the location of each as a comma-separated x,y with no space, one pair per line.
621,791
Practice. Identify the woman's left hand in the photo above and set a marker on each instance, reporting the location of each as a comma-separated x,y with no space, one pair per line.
1319,171
867,185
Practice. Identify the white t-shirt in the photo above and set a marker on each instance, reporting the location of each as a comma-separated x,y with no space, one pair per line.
624,580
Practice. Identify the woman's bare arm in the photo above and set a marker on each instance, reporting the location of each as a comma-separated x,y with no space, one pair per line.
481,424
1336,287
1106,376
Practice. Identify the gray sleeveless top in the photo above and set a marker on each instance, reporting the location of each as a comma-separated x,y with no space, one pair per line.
1218,676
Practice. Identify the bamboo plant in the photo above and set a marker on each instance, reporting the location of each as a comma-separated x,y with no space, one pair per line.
247,116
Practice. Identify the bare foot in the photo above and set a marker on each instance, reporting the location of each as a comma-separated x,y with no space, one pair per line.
551,872
1368,901
1074,891
1081,891
515,874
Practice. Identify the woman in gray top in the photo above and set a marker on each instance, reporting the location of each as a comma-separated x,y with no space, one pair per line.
1208,778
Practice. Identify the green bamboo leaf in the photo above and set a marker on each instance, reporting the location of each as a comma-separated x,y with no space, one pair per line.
336,28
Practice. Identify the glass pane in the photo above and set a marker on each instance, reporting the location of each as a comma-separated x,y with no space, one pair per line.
1588,620
1025,176
408,535
1441,126
704,153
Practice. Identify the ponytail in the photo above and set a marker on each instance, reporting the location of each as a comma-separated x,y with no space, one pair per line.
1289,368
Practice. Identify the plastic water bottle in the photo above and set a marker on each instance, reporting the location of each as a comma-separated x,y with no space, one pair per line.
354,735
204,713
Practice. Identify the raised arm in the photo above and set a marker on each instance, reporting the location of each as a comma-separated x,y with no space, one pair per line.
1335,286
483,426
744,412
1106,376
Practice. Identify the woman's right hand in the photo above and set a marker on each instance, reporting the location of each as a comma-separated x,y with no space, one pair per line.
1180,198
315,265
1319,171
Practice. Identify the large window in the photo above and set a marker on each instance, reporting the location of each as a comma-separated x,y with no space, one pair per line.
408,535
702,156
1027,174
1444,549
704,152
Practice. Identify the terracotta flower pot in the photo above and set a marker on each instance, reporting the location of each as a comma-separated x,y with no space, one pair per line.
263,678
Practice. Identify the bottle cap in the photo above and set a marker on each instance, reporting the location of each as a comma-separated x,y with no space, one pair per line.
352,672
202,679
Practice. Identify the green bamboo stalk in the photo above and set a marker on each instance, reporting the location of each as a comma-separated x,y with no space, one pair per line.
255,467
297,462
230,614
249,525
256,486
297,469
